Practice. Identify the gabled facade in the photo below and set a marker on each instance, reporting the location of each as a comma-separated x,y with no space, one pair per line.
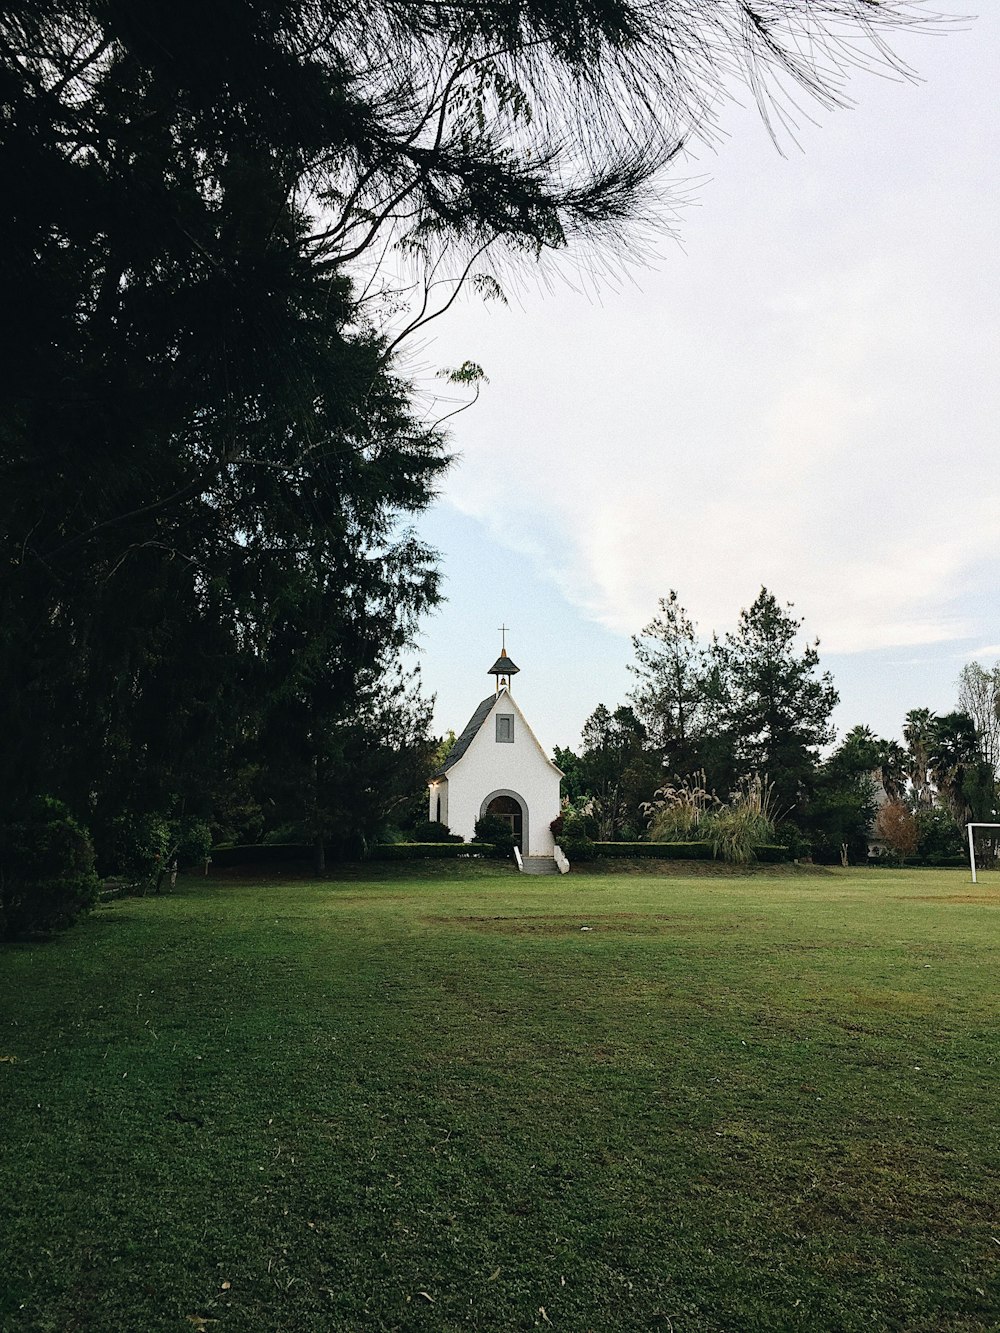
497,766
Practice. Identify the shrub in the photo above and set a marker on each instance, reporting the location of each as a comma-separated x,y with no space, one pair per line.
577,848
497,832
193,842
772,852
733,834
654,851
575,834
137,848
46,871
898,829
747,822
284,834
431,830
428,851
797,844
939,835
666,851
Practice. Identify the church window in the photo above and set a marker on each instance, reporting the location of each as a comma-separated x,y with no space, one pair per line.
505,727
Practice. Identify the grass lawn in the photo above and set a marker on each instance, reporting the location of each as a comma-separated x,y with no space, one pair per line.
417,1100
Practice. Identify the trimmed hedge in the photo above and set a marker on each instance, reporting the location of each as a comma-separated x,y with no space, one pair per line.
279,853
261,854
773,852
657,851
934,862
282,852
427,851
431,830
678,851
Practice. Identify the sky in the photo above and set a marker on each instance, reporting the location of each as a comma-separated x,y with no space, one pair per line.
800,391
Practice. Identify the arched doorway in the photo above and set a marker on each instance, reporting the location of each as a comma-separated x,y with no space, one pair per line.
510,808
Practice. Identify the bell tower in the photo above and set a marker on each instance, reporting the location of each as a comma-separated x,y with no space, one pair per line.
503,668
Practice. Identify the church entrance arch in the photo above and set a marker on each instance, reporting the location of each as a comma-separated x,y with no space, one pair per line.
510,807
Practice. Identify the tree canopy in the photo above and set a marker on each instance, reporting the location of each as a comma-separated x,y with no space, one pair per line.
208,454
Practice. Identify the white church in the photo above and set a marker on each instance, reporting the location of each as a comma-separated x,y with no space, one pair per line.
498,767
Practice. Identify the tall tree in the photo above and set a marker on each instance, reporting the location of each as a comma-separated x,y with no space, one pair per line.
774,702
979,697
670,695
615,770
206,452
918,732
838,815
960,774
863,754
574,787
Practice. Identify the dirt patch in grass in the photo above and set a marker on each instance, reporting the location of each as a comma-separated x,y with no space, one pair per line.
984,899
886,1000
698,869
623,923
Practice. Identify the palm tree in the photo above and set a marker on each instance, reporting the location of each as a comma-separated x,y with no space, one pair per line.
954,756
917,732
893,769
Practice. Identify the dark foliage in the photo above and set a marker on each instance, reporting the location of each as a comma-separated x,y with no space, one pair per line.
431,830
496,833
656,851
771,700
205,450
436,851
754,702
46,870
207,456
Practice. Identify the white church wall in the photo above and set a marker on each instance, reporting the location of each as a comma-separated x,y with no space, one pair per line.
520,767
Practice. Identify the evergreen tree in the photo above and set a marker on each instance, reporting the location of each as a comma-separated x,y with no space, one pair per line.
863,754
838,813
670,697
206,450
573,786
616,772
774,704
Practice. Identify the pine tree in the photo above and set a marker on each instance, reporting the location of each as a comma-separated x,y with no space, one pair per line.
774,703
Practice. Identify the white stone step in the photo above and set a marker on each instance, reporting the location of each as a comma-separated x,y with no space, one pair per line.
540,865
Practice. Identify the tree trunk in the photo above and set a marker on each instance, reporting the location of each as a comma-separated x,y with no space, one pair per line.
319,855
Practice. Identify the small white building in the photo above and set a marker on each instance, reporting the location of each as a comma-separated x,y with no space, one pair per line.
497,767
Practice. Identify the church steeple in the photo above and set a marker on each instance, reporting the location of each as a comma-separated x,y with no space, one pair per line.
503,668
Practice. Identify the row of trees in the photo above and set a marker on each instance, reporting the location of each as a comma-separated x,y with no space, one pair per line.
713,716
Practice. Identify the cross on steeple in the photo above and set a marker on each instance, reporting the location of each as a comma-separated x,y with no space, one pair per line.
503,641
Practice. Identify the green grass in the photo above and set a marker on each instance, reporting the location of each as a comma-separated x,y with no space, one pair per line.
398,1101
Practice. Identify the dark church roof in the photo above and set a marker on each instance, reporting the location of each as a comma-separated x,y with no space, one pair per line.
503,666
471,728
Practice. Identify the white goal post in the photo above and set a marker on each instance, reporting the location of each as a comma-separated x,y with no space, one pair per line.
972,846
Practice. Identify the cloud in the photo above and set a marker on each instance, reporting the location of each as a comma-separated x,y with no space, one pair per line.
814,466
808,400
